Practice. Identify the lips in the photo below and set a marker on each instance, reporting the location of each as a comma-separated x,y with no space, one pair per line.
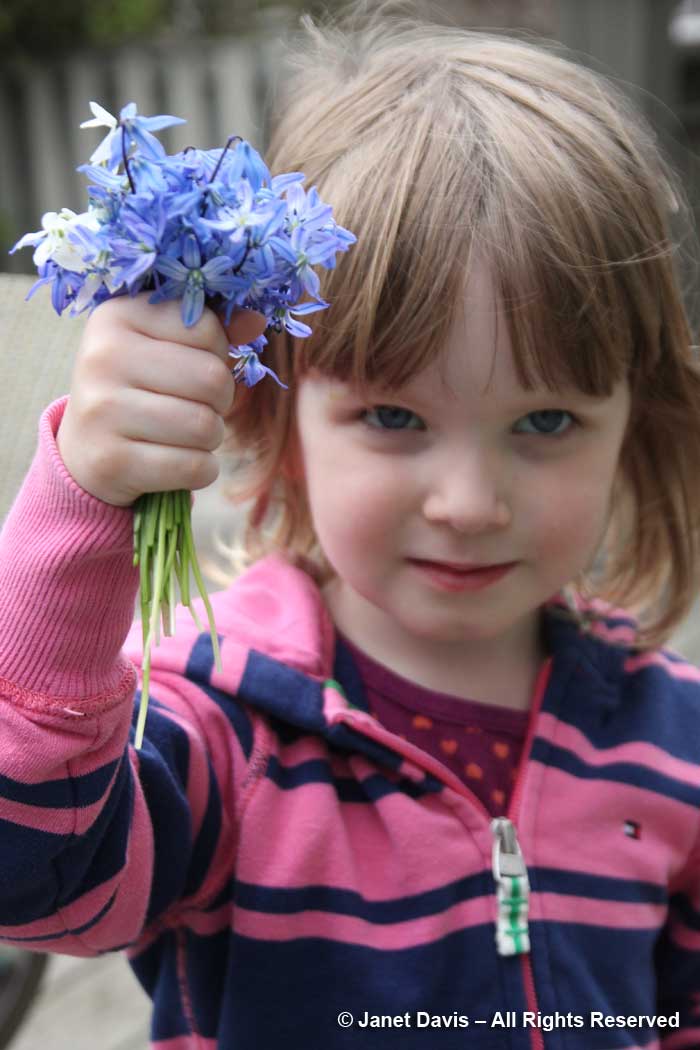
443,576
465,567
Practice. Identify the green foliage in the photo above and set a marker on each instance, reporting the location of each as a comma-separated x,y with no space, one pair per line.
112,20
47,27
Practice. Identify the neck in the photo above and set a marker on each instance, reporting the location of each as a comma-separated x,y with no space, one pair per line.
501,670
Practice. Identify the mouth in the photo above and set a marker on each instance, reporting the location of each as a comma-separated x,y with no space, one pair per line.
461,567
460,576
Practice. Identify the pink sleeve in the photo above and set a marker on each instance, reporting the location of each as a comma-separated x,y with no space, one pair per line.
99,840
67,582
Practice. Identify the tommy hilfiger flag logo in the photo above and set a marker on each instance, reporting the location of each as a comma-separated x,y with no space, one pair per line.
632,829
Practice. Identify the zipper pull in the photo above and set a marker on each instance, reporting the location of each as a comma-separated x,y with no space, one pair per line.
513,890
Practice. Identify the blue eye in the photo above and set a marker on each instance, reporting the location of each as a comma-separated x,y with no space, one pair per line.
552,422
391,417
548,422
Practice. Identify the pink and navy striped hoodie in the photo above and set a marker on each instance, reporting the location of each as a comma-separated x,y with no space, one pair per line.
273,859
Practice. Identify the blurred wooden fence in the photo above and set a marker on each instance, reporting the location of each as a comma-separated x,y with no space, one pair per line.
219,86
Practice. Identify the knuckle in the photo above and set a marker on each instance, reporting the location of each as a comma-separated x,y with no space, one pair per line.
93,344
203,469
207,427
112,312
98,354
218,432
211,373
97,406
217,380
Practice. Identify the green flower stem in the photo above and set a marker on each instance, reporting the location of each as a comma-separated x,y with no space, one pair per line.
164,551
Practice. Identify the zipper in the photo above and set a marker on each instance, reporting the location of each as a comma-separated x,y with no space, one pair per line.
513,900
507,861
512,890
536,1036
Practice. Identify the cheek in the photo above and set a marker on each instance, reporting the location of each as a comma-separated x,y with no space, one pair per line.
353,500
569,519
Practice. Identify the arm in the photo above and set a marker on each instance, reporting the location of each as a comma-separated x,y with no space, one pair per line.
98,840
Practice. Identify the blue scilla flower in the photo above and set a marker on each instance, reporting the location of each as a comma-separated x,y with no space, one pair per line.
148,176
134,250
306,210
248,217
197,165
192,281
303,251
249,368
201,226
110,181
281,183
65,284
138,128
244,162
297,328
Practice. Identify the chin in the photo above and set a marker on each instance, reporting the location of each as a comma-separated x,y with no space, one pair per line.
435,631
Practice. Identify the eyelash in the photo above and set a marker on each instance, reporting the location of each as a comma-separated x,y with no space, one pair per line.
575,422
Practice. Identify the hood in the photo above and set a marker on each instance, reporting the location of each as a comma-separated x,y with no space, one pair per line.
281,654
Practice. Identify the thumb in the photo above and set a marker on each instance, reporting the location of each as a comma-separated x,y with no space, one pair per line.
245,326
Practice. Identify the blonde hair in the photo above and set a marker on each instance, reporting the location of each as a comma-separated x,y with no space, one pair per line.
433,141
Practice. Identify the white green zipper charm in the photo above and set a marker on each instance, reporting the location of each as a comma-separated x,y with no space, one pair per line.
513,890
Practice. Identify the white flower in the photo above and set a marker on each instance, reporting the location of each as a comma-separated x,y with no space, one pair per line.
52,240
93,283
102,119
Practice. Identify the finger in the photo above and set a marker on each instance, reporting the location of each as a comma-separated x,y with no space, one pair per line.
171,369
166,468
172,421
245,326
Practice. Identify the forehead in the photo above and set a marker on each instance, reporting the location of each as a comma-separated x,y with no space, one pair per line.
478,361
477,358
478,355
491,352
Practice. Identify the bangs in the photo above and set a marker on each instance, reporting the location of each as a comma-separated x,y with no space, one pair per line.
393,301
485,163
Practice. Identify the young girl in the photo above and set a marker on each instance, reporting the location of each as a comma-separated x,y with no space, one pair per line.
446,792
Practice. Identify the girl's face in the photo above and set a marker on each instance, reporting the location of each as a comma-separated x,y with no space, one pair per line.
472,470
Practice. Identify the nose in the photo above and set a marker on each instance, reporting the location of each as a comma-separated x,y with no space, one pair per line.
468,492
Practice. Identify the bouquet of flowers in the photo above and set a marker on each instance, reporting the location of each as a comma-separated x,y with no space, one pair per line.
203,226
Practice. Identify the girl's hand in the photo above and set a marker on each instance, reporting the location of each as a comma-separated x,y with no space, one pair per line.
148,397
